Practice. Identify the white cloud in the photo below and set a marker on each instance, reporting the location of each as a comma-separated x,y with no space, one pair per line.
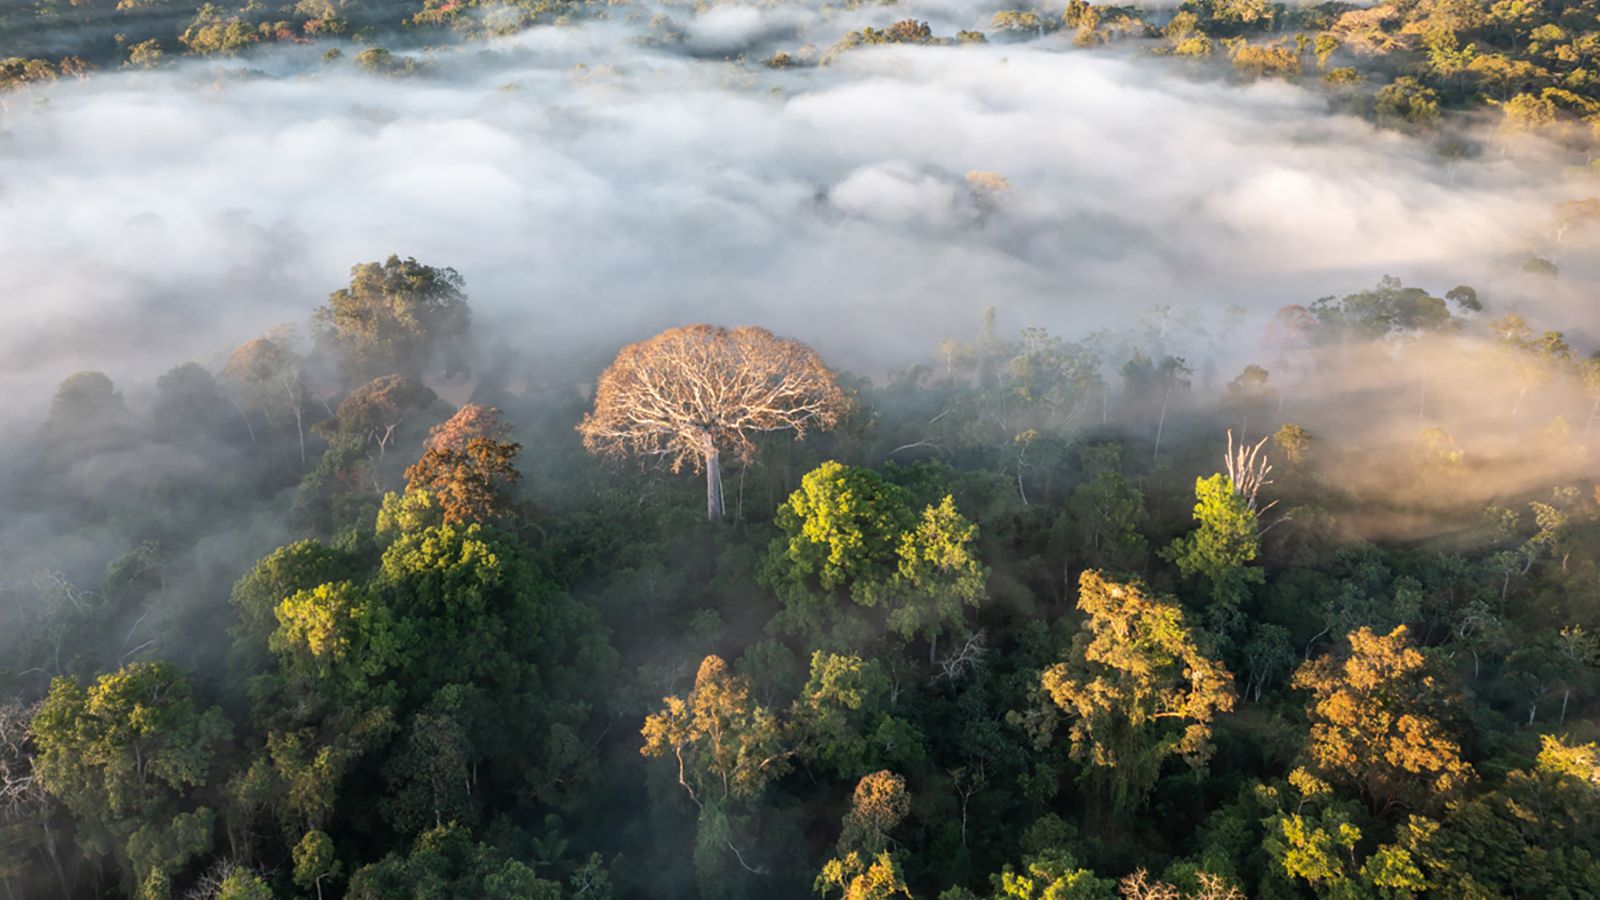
156,217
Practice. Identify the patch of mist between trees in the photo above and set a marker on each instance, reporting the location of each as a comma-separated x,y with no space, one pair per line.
161,216
1417,430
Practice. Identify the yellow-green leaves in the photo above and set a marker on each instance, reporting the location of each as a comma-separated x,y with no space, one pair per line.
844,524
849,529
1223,547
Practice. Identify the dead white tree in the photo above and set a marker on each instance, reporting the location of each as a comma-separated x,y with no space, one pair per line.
1248,469
968,658
1139,886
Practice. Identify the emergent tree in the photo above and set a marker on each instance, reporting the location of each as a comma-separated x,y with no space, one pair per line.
691,393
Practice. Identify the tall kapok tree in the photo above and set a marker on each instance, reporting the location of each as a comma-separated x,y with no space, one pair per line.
692,393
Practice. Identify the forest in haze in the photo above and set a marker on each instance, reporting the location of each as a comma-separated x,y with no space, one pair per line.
932,448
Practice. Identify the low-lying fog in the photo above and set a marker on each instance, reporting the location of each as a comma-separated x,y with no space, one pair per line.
592,187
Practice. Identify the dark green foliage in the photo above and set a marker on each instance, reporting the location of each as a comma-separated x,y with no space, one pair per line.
931,650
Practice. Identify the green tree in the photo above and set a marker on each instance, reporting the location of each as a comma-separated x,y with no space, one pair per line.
445,862
86,407
843,529
314,861
1222,549
282,573
1104,515
1406,102
1534,834
242,884
125,756
431,776
938,575
397,316
1051,875
836,708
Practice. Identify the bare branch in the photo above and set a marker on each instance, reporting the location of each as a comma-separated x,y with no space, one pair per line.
1248,469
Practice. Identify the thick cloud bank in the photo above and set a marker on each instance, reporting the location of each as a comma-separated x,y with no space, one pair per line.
592,189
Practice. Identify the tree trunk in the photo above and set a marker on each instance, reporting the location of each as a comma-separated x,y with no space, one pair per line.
713,485
55,862
299,420
252,429
1161,423
1022,491
738,510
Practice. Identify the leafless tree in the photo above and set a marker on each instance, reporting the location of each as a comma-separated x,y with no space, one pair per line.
1248,469
692,393
965,659
1138,886
22,796
210,884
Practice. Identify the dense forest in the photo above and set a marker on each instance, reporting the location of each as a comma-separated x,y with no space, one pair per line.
1038,618
1276,588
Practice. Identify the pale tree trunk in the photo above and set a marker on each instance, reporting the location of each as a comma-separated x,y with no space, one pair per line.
298,406
713,484
252,429
1161,424
55,861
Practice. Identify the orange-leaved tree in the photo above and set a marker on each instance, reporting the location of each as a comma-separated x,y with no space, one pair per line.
1376,723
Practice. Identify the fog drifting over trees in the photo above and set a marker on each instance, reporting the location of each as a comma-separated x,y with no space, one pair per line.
542,448
592,189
